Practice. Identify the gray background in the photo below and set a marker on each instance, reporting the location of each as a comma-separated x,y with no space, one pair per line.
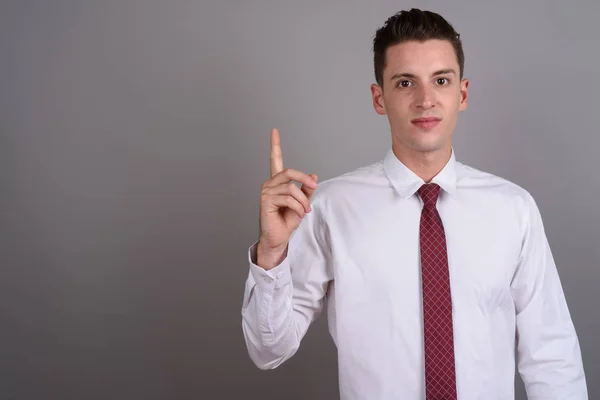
134,137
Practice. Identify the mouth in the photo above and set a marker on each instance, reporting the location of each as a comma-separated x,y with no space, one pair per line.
426,123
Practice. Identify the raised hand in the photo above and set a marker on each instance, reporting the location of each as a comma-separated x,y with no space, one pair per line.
283,205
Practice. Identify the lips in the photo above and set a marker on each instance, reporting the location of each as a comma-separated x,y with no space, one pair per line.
426,123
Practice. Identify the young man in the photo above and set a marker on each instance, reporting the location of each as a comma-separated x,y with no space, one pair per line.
439,277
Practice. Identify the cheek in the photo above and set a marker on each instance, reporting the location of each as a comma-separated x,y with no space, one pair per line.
401,117
398,106
452,100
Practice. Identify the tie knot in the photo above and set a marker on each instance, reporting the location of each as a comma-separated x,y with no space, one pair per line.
429,193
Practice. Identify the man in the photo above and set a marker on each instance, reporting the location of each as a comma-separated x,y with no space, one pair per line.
439,277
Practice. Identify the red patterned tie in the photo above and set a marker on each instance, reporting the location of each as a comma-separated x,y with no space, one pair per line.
440,375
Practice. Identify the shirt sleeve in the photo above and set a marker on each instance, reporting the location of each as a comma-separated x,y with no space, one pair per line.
548,353
280,304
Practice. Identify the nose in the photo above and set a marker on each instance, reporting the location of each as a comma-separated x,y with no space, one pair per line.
425,98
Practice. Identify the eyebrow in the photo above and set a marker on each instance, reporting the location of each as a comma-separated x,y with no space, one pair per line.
412,76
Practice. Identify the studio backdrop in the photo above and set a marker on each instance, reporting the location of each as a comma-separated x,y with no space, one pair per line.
134,139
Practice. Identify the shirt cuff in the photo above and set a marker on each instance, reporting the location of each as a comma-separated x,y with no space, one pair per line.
271,279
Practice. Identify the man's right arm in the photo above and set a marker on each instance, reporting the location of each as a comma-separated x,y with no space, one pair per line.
288,277
280,303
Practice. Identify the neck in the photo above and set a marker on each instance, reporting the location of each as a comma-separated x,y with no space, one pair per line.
425,164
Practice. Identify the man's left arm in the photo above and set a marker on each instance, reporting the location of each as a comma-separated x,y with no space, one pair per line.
548,353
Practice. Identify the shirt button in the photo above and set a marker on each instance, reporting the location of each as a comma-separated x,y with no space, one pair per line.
279,275
267,279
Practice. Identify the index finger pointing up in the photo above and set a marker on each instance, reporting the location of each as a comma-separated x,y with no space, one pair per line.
276,156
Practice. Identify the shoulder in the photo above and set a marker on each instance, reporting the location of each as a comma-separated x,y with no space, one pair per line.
346,185
470,178
498,192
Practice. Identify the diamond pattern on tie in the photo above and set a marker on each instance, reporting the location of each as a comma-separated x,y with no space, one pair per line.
440,374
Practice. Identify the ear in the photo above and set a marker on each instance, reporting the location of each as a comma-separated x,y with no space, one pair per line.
377,94
464,95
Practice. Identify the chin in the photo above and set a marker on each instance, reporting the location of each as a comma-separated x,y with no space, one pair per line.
423,141
427,142
427,147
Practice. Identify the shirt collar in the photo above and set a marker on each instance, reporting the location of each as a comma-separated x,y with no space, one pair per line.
406,182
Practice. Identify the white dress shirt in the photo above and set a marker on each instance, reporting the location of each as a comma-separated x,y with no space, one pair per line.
359,248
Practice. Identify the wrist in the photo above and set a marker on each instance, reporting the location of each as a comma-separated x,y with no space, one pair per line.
268,258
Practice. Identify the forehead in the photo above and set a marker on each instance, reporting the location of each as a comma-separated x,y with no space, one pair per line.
420,58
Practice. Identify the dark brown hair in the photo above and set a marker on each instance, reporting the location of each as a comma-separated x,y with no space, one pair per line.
413,25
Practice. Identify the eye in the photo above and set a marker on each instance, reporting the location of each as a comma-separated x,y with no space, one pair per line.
442,81
404,83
